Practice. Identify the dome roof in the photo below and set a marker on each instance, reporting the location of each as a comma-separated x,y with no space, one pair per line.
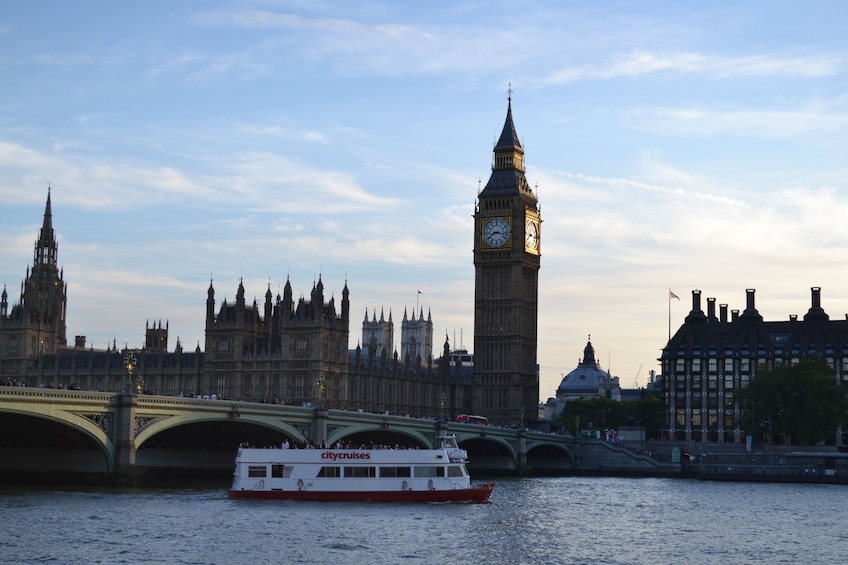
587,377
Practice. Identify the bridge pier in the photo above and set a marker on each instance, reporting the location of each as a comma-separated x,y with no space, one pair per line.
124,468
319,430
441,430
523,468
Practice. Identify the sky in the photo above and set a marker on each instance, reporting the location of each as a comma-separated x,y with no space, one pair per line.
673,146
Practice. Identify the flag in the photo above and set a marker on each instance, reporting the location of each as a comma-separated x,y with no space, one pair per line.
419,291
672,295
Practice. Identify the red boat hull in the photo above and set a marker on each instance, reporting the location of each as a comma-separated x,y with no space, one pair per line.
474,494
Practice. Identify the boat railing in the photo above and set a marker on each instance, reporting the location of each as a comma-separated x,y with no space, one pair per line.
457,455
446,442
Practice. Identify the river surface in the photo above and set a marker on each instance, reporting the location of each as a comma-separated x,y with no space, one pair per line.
544,520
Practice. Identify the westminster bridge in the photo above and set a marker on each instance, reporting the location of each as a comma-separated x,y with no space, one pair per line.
120,435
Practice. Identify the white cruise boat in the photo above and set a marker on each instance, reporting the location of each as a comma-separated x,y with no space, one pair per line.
378,475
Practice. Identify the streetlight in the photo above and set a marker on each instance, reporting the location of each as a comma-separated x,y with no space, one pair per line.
130,363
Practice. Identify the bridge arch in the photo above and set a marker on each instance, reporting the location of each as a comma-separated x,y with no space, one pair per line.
550,458
81,435
489,452
162,424
379,432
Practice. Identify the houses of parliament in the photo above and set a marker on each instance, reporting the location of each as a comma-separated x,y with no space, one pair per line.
296,351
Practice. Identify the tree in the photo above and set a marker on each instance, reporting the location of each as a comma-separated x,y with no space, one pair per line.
601,413
802,403
649,409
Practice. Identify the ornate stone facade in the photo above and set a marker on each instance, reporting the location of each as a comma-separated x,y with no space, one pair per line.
507,244
36,325
289,352
286,351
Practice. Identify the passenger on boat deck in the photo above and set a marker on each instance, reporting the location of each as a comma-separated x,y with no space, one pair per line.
285,444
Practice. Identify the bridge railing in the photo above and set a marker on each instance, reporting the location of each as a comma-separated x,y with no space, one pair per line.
20,392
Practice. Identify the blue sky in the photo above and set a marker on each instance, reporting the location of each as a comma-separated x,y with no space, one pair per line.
672,146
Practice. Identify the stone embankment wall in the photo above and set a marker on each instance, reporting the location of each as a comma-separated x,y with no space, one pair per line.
597,456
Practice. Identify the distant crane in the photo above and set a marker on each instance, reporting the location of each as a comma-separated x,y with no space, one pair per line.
636,379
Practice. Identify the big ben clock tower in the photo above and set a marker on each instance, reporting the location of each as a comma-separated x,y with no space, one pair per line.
507,244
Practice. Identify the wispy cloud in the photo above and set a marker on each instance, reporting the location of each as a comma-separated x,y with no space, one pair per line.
336,26
354,47
178,63
640,63
743,122
283,133
260,181
672,217
279,184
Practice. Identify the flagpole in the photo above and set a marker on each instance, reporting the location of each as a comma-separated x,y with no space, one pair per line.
669,314
670,296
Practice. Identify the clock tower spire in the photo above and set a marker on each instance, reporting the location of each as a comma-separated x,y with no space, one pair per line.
507,239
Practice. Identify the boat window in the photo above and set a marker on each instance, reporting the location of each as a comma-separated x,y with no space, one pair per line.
455,470
333,472
280,471
257,471
395,472
360,472
429,471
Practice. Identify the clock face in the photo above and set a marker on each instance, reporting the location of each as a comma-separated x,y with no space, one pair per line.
496,232
532,235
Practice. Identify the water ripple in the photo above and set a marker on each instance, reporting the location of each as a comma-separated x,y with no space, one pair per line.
529,521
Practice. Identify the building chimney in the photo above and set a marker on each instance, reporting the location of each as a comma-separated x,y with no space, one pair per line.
750,309
722,308
696,300
816,310
711,303
734,315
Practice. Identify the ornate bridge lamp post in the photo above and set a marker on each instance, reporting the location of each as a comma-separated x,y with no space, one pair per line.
322,384
442,399
130,363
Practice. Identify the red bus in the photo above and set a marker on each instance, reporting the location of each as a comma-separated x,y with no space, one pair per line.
469,419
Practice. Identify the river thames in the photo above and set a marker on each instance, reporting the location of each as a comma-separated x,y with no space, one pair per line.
531,520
